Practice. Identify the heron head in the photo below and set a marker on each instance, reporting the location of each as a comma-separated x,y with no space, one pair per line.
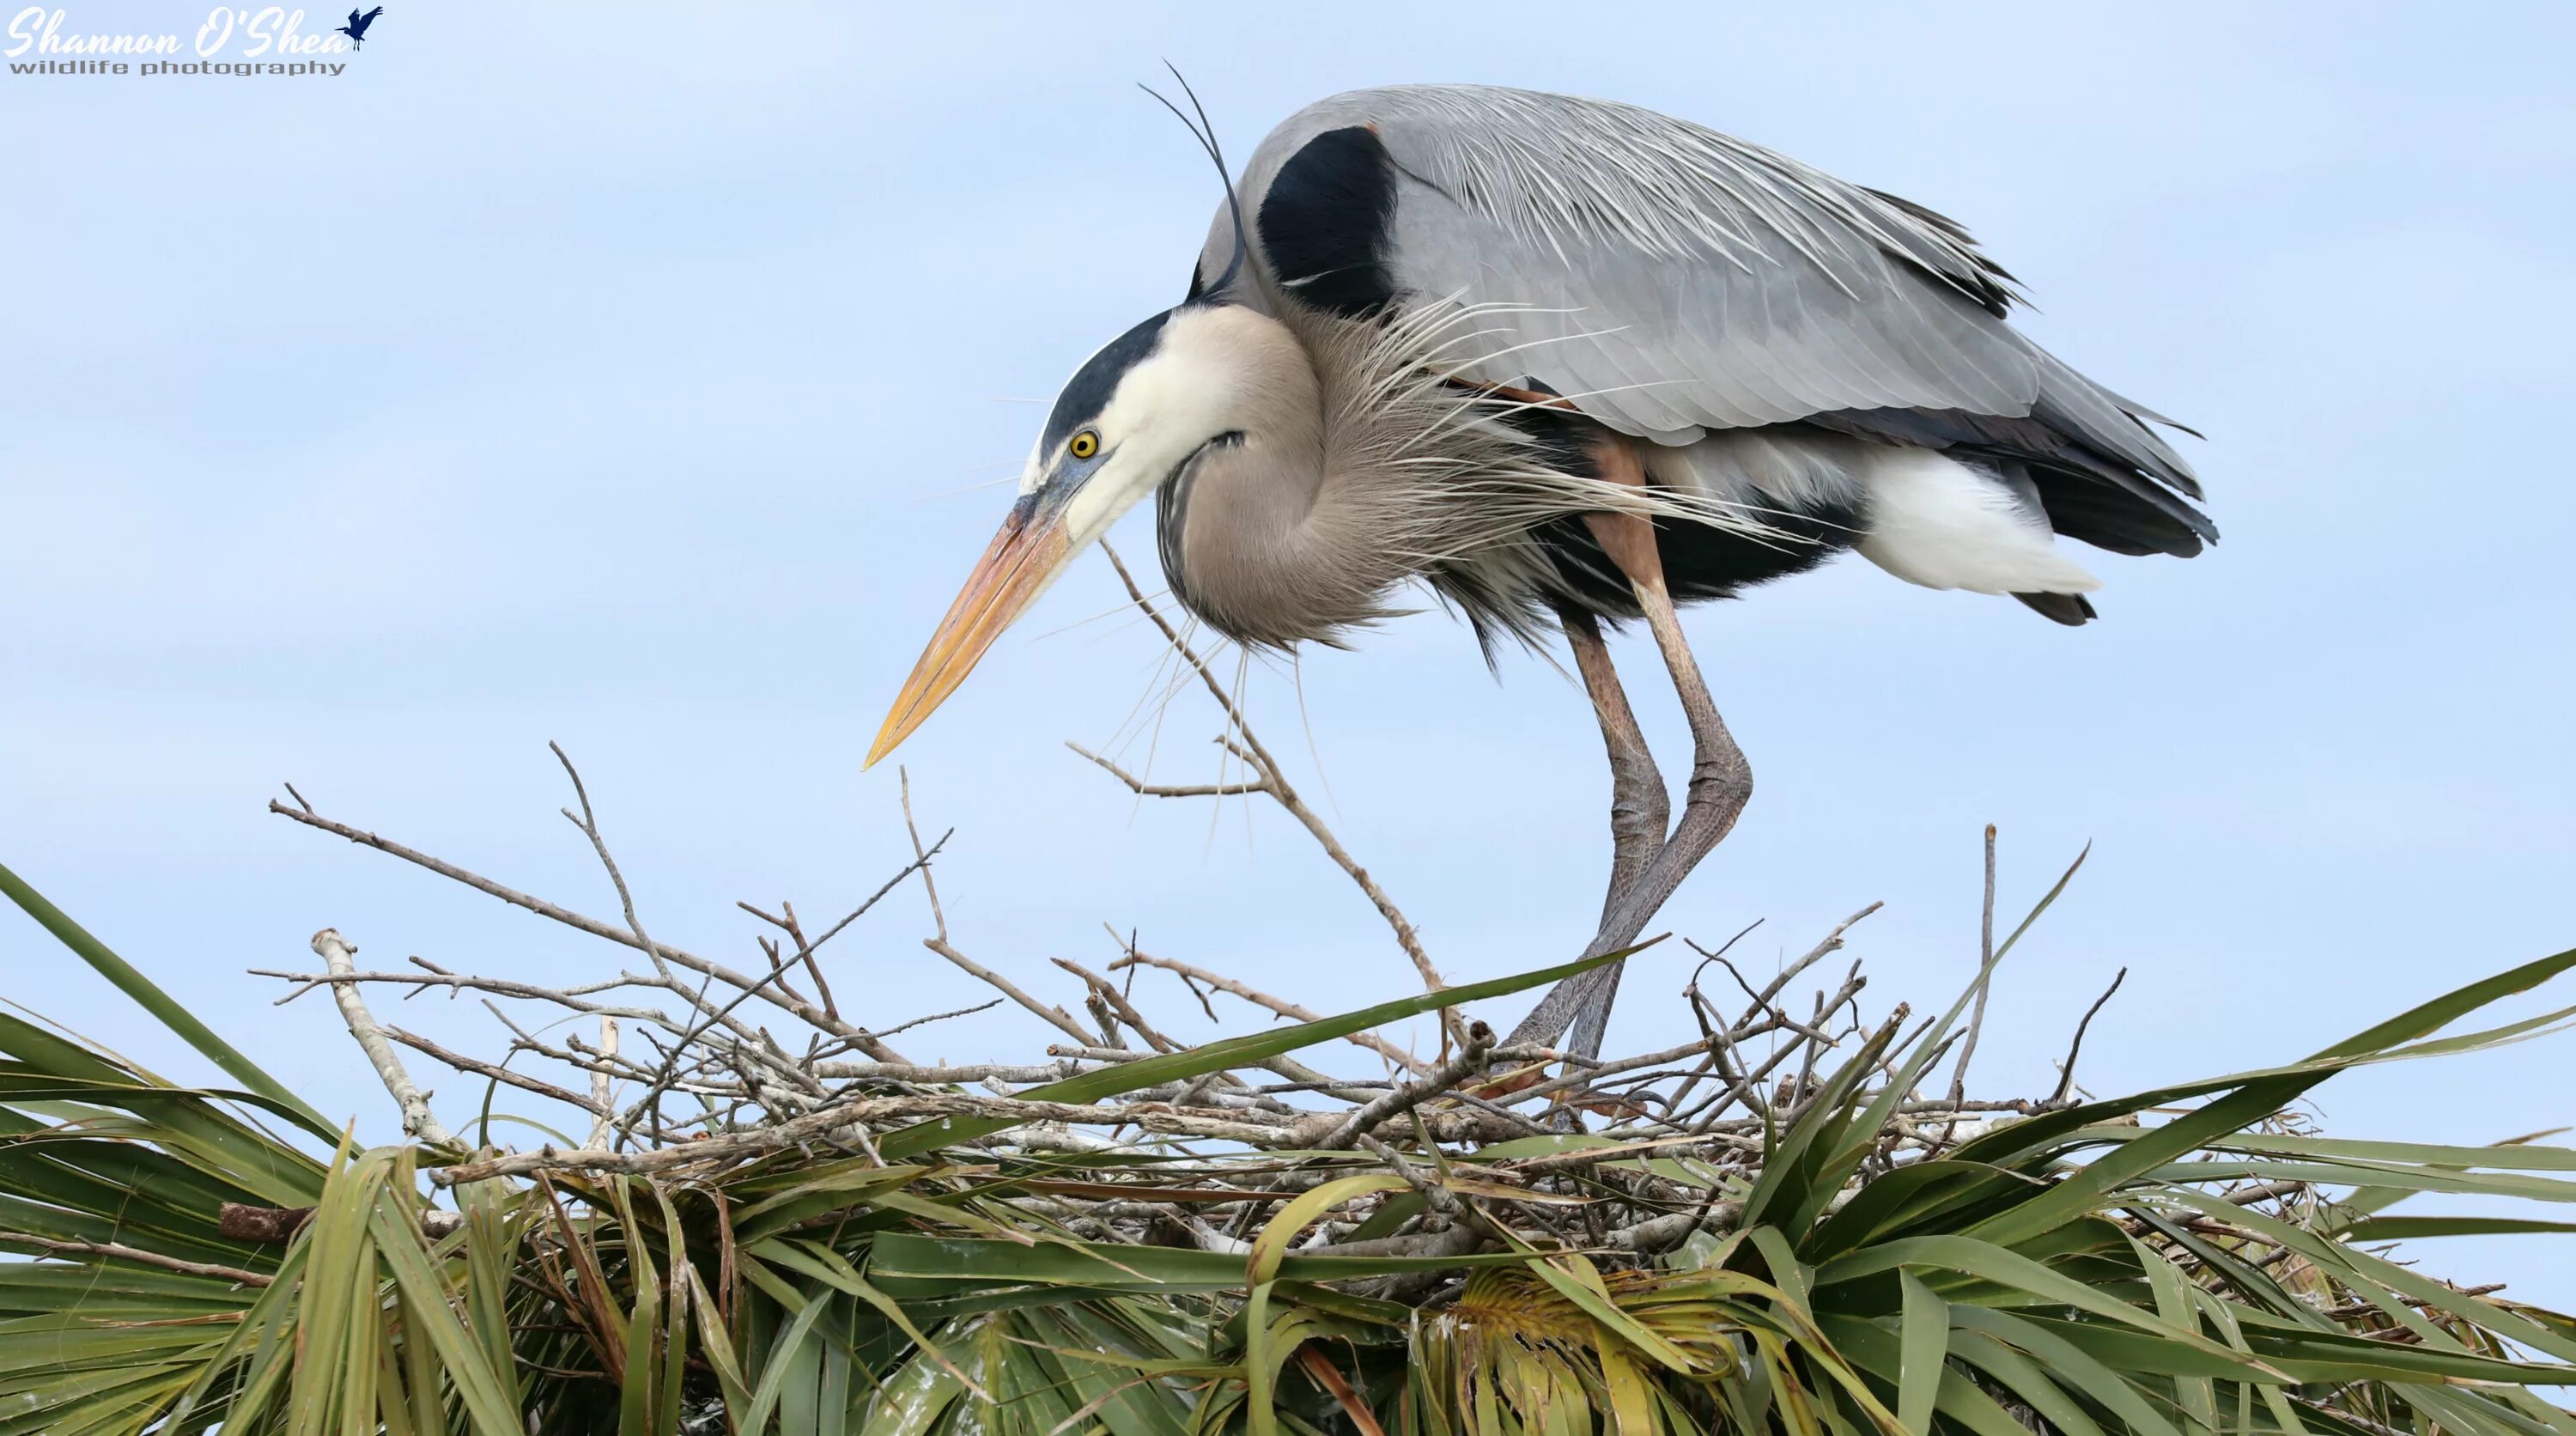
1140,412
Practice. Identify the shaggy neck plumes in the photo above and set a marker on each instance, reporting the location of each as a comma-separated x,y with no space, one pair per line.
1353,460
1258,529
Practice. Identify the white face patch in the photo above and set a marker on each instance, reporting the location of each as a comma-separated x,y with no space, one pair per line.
1145,432
1165,407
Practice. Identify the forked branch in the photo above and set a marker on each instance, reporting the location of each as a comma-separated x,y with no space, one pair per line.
1275,785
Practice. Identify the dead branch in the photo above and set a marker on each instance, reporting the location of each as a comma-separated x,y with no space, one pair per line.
805,1011
122,1252
2066,1069
1275,784
419,1123
1469,1061
596,1104
275,1226
1278,1005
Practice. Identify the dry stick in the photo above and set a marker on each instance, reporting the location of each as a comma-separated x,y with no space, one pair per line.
1748,1088
1111,1007
806,950
570,997
1279,1005
1300,1078
2265,1191
275,1226
1116,1001
2066,1070
596,1103
1277,785
1469,1226
588,822
916,1074
778,964
1831,943
1985,984
649,1107
122,1252
1599,1070
603,1088
1246,1126
1469,1061
1233,1125
1108,1020
1055,1016
663,952
1656,1234
1172,790
1009,989
664,1076
746,1041
927,1018
419,1123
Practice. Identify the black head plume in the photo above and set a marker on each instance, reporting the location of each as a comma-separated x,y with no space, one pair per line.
1205,133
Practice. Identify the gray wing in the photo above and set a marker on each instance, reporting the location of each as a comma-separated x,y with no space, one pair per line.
1668,278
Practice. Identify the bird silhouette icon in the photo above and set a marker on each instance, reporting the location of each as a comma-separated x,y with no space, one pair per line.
356,29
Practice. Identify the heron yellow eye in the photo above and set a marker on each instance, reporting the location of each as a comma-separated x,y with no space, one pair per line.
1083,445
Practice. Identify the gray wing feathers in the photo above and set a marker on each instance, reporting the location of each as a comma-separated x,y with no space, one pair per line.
2084,410
1705,283
1675,280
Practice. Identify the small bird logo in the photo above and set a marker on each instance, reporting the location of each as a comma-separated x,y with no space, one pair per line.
356,29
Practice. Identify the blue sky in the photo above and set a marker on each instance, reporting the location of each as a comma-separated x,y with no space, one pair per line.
648,384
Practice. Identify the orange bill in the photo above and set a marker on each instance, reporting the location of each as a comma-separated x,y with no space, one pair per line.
1024,559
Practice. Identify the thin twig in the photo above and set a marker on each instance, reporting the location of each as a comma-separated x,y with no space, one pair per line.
1985,960
807,1012
570,997
2066,1069
1169,790
1281,792
603,1087
121,1252
1279,1005
596,1103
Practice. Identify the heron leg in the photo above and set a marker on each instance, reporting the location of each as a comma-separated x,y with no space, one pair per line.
1721,781
1640,810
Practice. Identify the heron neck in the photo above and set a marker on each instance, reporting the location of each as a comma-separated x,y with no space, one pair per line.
1236,541
1261,537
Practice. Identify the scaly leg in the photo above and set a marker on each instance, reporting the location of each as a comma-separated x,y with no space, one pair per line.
1640,811
1721,780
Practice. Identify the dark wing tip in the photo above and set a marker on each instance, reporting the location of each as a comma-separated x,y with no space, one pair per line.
2072,609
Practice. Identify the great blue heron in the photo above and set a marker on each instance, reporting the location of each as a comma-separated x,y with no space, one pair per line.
1570,362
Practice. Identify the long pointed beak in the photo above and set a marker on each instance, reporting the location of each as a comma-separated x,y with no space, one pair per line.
1025,557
